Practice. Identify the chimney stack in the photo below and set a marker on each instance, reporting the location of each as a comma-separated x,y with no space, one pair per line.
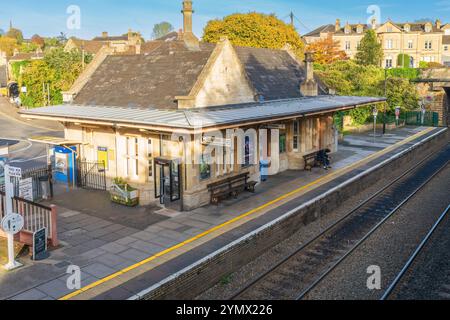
189,37
337,26
309,87
438,24
104,34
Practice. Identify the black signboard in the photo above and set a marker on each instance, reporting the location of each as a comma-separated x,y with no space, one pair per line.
40,244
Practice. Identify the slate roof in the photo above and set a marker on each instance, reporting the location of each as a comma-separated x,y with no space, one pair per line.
112,38
322,29
148,80
166,69
274,74
3,76
89,46
27,56
207,117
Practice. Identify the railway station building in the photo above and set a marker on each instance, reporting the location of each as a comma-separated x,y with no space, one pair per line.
175,119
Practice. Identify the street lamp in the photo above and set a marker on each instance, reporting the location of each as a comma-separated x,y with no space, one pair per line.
385,95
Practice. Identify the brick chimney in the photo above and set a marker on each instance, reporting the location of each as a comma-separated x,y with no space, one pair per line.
309,87
337,25
104,34
189,37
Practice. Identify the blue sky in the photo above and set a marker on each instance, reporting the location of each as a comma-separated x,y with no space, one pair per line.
48,17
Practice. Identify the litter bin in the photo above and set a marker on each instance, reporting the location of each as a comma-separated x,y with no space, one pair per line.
264,169
44,183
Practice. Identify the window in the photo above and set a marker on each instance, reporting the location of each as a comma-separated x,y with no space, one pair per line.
407,28
150,157
389,62
389,44
428,45
428,28
445,48
296,136
410,44
205,168
282,142
347,45
132,157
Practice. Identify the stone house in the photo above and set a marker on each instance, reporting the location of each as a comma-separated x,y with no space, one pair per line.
186,114
421,41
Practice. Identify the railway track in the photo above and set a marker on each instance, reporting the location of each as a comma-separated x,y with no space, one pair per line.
299,273
408,266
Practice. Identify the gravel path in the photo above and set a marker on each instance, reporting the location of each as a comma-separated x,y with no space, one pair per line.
388,248
233,282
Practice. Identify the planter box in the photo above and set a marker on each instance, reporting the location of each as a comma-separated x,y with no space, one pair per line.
124,195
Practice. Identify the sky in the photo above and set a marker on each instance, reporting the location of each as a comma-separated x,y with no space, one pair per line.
49,17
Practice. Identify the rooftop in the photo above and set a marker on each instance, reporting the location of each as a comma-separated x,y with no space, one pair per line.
203,117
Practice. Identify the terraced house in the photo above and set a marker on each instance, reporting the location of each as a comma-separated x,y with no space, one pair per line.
127,110
421,41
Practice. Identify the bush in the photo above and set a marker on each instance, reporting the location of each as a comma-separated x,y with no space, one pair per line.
403,61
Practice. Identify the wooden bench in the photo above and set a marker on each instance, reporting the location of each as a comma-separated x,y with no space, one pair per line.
231,187
311,160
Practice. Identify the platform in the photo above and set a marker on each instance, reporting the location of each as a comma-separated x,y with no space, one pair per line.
119,261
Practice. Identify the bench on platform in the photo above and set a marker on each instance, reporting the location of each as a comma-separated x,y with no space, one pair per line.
311,160
231,187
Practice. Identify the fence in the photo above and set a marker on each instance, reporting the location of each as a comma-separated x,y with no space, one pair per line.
36,217
431,119
38,174
91,175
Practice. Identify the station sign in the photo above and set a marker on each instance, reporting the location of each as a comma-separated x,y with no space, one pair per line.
13,223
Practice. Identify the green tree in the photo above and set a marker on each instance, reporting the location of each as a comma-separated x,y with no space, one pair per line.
350,78
404,60
370,52
162,29
15,34
254,30
58,70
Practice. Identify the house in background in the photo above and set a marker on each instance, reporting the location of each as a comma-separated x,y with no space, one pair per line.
148,114
421,41
117,43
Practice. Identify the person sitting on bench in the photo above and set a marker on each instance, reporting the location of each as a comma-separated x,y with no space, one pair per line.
324,158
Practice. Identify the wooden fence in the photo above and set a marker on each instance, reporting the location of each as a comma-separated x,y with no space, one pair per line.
36,217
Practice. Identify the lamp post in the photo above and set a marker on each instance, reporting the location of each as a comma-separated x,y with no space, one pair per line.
375,115
385,95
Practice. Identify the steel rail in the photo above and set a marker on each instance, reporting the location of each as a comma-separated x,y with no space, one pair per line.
372,231
414,256
329,228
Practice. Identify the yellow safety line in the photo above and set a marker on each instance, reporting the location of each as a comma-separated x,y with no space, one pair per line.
227,223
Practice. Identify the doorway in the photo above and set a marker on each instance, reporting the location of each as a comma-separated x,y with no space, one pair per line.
168,181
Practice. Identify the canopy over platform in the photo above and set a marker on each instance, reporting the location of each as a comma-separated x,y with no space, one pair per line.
211,117
54,141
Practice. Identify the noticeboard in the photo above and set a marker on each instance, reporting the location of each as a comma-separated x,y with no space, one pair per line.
40,244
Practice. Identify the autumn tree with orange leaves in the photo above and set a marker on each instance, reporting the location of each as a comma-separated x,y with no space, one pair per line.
327,51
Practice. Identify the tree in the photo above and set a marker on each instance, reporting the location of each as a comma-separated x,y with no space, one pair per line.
327,51
370,52
38,41
15,34
350,78
404,60
8,45
161,29
58,70
254,30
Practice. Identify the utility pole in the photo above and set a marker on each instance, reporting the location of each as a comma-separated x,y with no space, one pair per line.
291,16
